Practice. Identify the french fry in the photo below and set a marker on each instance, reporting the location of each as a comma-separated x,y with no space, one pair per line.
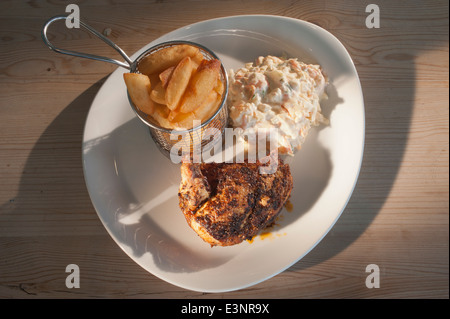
219,87
197,58
183,121
201,84
158,94
165,58
196,64
178,82
208,107
203,112
138,86
160,115
165,75
173,114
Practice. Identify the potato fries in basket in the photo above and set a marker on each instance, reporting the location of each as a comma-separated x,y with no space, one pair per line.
176,86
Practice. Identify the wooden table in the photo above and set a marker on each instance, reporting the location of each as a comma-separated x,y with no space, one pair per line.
397,217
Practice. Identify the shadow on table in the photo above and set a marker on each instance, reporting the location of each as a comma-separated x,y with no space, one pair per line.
386,135
52,182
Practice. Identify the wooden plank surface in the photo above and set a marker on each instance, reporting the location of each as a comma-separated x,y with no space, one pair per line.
397,217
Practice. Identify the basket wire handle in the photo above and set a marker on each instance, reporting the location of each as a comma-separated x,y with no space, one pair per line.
128,64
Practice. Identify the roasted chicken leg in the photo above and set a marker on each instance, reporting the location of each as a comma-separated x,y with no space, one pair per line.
227,203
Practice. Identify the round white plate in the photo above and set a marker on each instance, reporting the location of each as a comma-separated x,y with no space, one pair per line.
134,187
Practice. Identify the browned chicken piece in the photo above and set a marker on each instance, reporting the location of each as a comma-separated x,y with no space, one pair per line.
227,203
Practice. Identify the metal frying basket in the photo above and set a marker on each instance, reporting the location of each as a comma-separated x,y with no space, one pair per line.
166,139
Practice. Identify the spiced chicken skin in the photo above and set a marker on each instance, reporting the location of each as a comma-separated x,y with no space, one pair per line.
227,203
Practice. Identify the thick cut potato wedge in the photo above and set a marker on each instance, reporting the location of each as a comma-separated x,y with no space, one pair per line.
219,87
178,82
197,58
200,86
167,57
211,104
139,86
173,114
158,93
183,121
165,75
208,107
160,115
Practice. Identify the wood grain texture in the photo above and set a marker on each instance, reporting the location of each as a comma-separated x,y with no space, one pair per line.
396,218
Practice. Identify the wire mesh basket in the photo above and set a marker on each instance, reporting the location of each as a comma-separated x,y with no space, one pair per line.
200,137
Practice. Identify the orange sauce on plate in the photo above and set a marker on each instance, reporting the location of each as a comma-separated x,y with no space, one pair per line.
268,232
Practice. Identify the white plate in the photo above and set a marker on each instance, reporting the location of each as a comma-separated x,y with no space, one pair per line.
133,187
